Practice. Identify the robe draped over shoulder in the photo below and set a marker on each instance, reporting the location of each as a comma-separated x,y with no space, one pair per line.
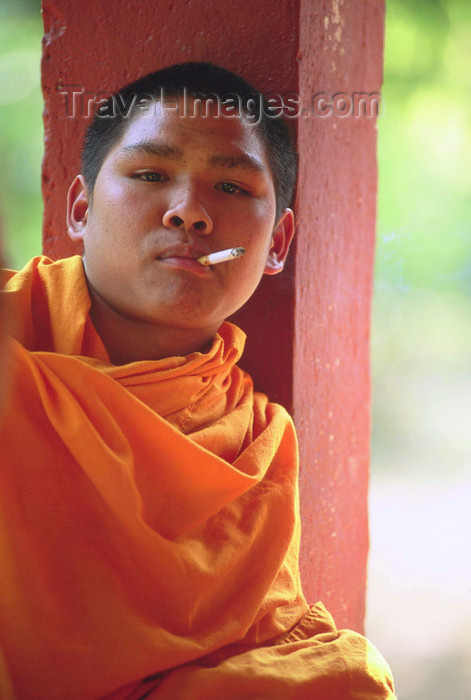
149,526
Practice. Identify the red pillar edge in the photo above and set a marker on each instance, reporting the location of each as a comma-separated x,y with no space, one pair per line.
341,52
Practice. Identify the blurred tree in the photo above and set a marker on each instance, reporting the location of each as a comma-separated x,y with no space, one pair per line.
424,142
21,132
419,603
422,305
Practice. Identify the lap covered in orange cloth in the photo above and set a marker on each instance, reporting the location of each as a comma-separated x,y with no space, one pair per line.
149,528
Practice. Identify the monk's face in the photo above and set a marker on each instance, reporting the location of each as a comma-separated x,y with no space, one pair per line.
173,189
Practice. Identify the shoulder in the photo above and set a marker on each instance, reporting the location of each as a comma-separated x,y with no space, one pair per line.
45,297
41,269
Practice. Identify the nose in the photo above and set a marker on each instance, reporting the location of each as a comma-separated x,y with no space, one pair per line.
188,213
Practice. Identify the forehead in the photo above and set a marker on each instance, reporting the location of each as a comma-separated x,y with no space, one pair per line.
204,133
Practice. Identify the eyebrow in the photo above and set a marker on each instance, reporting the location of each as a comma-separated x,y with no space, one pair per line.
243,161
154,149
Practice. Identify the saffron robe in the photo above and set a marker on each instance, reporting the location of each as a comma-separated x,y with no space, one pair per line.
149,525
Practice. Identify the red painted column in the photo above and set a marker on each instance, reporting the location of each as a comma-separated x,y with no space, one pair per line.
307,328
341,53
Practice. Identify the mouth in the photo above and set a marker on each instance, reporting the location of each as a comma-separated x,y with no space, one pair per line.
184,258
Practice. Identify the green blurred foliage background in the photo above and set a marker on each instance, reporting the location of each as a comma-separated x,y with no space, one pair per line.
423,272
419,600
21,130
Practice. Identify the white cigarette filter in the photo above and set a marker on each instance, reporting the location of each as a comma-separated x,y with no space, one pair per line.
221,256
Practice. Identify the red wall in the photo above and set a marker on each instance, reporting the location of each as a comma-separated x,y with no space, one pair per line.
308,328
341,46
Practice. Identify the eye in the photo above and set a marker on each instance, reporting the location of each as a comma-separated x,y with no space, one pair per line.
230,188
151,176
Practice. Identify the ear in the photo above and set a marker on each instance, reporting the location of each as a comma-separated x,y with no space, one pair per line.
281,240
77,209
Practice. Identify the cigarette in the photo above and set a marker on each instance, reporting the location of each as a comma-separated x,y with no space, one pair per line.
221,256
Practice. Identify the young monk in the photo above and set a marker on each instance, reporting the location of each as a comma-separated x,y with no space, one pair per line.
149,528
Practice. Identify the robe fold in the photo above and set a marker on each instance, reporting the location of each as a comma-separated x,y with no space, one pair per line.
149,525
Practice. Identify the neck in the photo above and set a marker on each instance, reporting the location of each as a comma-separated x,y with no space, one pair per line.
131,340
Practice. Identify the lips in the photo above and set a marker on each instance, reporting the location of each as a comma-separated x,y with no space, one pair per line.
182,251
184,257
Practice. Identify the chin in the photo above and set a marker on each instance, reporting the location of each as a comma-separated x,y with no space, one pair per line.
189,314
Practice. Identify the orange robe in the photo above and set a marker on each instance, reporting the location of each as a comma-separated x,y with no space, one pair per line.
149,527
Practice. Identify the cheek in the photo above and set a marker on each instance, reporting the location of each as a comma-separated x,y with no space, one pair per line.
253,263
258,242
118,219
254,220
122,197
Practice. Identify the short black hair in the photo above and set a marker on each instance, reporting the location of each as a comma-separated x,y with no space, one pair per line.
113,117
